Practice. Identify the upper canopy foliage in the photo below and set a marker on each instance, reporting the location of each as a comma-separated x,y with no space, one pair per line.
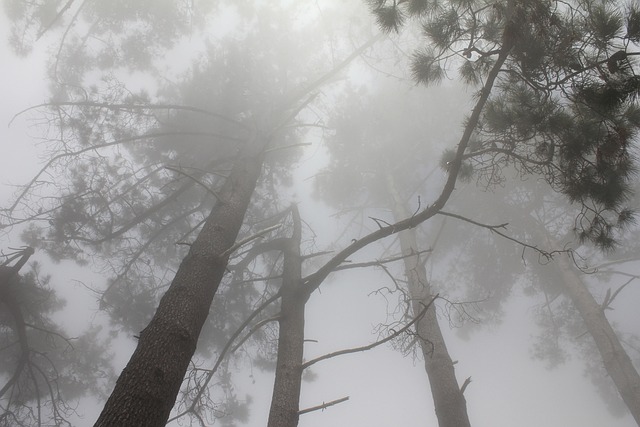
565,105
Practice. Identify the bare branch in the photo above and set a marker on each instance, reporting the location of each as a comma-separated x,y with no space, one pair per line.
465,385
255,327
372,345
380,262
606,304
323,406
496,229
286,147
131,107
242,242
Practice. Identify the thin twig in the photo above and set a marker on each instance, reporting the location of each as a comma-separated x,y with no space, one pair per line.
374,344
255,327
380,262
496,229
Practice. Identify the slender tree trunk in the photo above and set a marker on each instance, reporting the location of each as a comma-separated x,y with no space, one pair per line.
615,358
450,404
285,402
147,387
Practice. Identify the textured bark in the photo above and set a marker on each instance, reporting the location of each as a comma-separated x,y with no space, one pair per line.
450,404
147,387
285,402
615,358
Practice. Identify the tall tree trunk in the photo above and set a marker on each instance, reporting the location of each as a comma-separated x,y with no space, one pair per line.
450,404
615,358
147,387
285,402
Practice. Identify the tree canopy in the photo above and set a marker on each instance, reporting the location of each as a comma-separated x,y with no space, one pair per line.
173,131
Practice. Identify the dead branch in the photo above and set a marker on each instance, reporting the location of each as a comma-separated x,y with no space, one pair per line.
80,151
374,344
132,107
255,327
323,406
380,262
242,242
465,385
608,299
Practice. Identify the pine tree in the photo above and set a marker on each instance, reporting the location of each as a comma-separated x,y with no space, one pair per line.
564,103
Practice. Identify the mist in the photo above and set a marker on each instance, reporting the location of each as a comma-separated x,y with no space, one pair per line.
316,213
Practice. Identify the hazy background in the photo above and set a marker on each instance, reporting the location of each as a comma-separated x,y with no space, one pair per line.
508,388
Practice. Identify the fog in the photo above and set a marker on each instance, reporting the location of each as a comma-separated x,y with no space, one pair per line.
293,163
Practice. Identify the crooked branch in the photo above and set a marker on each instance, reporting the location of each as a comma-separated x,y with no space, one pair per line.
374,344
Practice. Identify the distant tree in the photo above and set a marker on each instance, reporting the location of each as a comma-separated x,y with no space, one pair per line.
398,129
565,287
42,370
562,107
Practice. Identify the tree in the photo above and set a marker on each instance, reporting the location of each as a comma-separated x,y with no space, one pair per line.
563,106
44,370
393,124
123,203
565,286
560,74
248,112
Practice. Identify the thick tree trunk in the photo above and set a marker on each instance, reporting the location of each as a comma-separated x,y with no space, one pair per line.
285,402
147,387
450,404
615,358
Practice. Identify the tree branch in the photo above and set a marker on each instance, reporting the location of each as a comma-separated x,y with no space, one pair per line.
380,262
314,280
372,345
323,406
495,229
248,239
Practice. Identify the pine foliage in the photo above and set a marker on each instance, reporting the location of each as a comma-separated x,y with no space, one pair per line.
565,106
